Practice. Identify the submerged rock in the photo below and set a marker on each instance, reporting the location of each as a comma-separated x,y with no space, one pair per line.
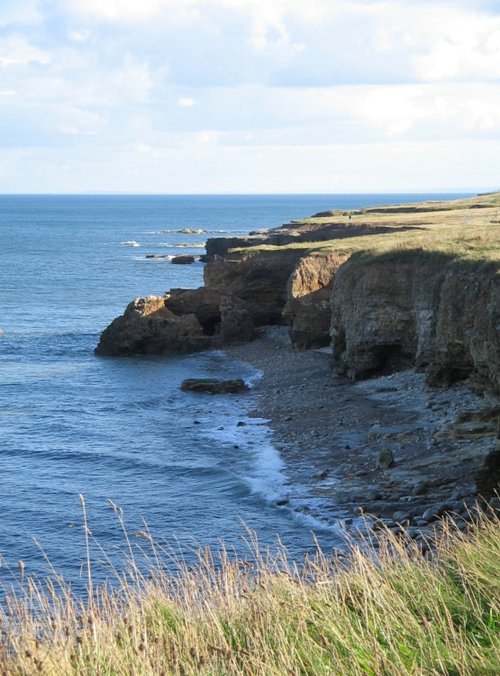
214,386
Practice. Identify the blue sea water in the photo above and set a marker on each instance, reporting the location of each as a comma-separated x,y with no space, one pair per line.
120,429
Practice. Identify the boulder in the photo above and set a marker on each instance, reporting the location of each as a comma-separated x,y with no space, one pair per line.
183,259
214,386
385,459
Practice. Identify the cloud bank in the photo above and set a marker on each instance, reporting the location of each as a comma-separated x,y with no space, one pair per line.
248,95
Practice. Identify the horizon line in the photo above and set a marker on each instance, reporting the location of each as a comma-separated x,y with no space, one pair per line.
434,191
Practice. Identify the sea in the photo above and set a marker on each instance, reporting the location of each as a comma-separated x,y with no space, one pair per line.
189,470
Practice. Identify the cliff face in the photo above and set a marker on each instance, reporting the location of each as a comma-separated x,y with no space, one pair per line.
259,279
307,310
180,322
442,315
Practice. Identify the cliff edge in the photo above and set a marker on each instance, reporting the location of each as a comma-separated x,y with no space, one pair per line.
387,287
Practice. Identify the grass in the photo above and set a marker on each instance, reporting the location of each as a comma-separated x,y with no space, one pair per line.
396,611
458,229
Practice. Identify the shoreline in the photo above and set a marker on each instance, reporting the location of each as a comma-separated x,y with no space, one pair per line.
389,447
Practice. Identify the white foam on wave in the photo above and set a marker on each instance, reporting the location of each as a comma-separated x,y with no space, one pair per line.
249,453
158,259
132,243
314,522
260,465
180,245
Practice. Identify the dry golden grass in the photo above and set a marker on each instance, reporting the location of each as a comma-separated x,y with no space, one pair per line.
459,230
391,611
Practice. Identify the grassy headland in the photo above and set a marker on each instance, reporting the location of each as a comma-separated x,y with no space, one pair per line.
391,611
464,229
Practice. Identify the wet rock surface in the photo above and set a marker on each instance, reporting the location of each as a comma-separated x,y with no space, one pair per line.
214,386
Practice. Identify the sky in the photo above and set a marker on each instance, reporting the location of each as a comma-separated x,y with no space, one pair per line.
249,96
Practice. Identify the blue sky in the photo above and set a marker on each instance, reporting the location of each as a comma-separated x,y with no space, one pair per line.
180,96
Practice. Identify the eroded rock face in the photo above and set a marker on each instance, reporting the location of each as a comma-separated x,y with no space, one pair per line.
308,307
203,303
148,327
259,279
180,322
441,315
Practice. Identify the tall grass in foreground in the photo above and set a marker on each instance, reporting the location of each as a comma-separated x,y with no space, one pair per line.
396,611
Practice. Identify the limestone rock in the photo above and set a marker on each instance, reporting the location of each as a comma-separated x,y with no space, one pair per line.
181,321
149,327
257,278
308,307
202,302
236,322
436,313
385,459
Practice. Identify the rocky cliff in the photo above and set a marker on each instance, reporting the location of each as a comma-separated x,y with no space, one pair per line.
259,278
389,286
180,322
433,312
307,310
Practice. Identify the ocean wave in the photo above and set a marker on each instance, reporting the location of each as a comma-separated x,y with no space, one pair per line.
181,245
132,243
196,231
155,257
259,465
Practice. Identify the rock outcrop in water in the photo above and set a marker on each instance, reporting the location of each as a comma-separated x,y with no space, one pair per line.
180,322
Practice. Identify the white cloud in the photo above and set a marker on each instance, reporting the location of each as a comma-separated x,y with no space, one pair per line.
186,102
17,51
115,10
79,36
146,150
95,78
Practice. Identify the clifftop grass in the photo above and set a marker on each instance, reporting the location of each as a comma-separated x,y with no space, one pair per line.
394,611
462,229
